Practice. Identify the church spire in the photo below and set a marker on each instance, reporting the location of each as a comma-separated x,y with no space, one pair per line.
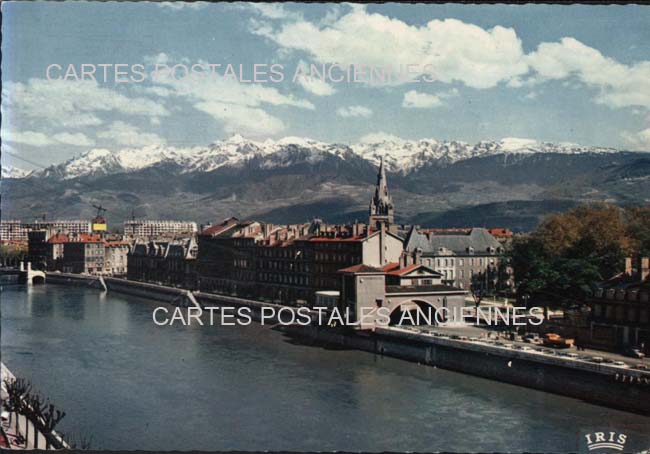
381,206
381,191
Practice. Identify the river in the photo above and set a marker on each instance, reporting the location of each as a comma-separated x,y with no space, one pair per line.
130,384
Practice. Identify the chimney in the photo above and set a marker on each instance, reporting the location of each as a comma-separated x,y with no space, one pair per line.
628,266
355,229
382,243
644,268
417,259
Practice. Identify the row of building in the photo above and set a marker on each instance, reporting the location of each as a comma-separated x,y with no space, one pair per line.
82,253
15,231
292,264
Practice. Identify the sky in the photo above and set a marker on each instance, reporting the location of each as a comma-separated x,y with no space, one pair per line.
555,73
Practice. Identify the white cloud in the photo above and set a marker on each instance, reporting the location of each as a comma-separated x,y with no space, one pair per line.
241,119
39,139
458,51
618,85
273,11
378,137
316,86
239,107
313,85
128,135
454,50
179,5
71,103
353,111
77,139
32,138
415,100
639,140
161,58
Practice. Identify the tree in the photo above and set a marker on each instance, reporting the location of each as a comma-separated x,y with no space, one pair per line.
571,252
17,390
484,283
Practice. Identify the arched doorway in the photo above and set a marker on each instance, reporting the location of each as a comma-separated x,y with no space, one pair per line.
413,313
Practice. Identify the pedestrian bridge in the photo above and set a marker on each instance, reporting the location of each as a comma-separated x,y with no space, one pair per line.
25,273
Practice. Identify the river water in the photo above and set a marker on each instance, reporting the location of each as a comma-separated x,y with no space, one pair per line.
130,384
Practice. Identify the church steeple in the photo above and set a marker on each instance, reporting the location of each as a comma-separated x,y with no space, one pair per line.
381,206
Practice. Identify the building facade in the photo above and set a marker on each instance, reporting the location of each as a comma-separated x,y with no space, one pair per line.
13,231
73,226
289,264
83,254
18,231
415,289
116,258
164,262
465,257
620,310
153,229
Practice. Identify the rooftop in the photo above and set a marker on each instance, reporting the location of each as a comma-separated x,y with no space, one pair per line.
460,242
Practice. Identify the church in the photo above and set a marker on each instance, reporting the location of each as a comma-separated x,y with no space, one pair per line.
392,282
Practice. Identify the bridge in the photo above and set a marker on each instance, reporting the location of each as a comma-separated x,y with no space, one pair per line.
25,273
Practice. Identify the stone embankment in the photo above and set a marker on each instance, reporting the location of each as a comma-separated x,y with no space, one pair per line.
612,386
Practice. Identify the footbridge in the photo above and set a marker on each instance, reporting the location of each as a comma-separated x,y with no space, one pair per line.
25,273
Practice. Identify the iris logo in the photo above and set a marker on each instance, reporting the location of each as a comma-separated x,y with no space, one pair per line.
606,440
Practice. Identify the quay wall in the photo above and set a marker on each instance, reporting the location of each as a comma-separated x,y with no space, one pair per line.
596,383
602,384
172,295
73,279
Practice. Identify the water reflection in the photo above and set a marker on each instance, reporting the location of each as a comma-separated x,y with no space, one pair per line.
132,384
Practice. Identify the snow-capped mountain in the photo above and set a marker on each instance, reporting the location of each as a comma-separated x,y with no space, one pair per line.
507,183
400,156
14,172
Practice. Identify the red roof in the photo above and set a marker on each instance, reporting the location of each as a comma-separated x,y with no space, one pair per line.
507,233
58,238
360,268
401,271
337,238
390,266
216,229
86,238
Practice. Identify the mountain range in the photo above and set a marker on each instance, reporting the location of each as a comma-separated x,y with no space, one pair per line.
509,183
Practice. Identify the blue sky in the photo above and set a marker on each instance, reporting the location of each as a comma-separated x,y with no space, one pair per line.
555,73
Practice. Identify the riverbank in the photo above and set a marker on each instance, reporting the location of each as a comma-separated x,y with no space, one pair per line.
603,384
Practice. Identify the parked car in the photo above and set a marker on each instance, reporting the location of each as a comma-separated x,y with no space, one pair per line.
531,338
556,341
634,353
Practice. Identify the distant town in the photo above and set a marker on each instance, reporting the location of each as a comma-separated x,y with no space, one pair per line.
357,265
